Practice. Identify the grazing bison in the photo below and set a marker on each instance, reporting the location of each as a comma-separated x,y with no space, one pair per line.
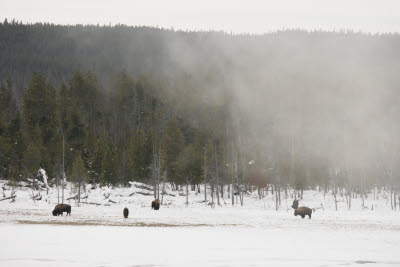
303,211
126,213
60,208
295,204
155,204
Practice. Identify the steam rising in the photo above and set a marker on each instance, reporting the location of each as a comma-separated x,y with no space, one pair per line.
319,99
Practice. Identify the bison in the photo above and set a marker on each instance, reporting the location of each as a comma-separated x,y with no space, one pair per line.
303,211
60,208
155,204
126,213
295,204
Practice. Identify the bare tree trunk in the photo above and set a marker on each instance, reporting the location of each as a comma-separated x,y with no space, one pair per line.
216,169
212,193
279,194
158,171
154,172
391,197
286,192
276,198
58,189
205,174
79,192
399,202
63,174
163,186
187,192
233,195
334,194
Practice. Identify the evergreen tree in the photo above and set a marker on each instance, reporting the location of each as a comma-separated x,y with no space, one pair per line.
172,144
78,176
125,104
84,92
190,165
4,158
7,103
32,159
39,109
95,165
108,172
16,148
140,155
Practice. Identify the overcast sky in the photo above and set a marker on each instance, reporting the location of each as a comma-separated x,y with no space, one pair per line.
253,16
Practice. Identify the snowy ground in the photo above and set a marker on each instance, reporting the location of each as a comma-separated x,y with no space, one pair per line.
197,235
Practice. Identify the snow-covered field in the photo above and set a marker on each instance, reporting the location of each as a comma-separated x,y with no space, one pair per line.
197,235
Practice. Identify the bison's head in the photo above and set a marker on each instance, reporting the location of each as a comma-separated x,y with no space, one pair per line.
55,213
296,213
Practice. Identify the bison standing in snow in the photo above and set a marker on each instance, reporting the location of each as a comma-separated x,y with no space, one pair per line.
155,204
303,211
126,213
60,208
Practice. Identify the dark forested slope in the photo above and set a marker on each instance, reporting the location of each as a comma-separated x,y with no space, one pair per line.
139,103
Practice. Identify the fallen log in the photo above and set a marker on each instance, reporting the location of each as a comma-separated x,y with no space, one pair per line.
12,197
97,204
74,197
142,193
171,194
91,203
141,186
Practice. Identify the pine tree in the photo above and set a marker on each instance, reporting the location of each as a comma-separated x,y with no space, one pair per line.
16,148
7,103
4,158
108,173
190,165
84,93
79,175
39,109
32,159
96,161
64,105
140,155
172,145
125,104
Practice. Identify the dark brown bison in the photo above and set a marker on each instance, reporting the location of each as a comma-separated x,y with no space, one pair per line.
295,204
303,211
60,208
155,204
126,213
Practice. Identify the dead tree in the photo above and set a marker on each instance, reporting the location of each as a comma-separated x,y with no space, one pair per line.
205,174
216,169
163,186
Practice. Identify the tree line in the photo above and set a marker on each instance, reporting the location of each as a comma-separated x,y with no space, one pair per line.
289,109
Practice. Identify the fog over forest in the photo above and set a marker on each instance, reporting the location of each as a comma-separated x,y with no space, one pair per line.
303,108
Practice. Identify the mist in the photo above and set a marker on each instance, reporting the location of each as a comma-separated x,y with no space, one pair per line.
310,98
309,107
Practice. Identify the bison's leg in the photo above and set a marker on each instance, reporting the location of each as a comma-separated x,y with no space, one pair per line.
309,215
302,216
